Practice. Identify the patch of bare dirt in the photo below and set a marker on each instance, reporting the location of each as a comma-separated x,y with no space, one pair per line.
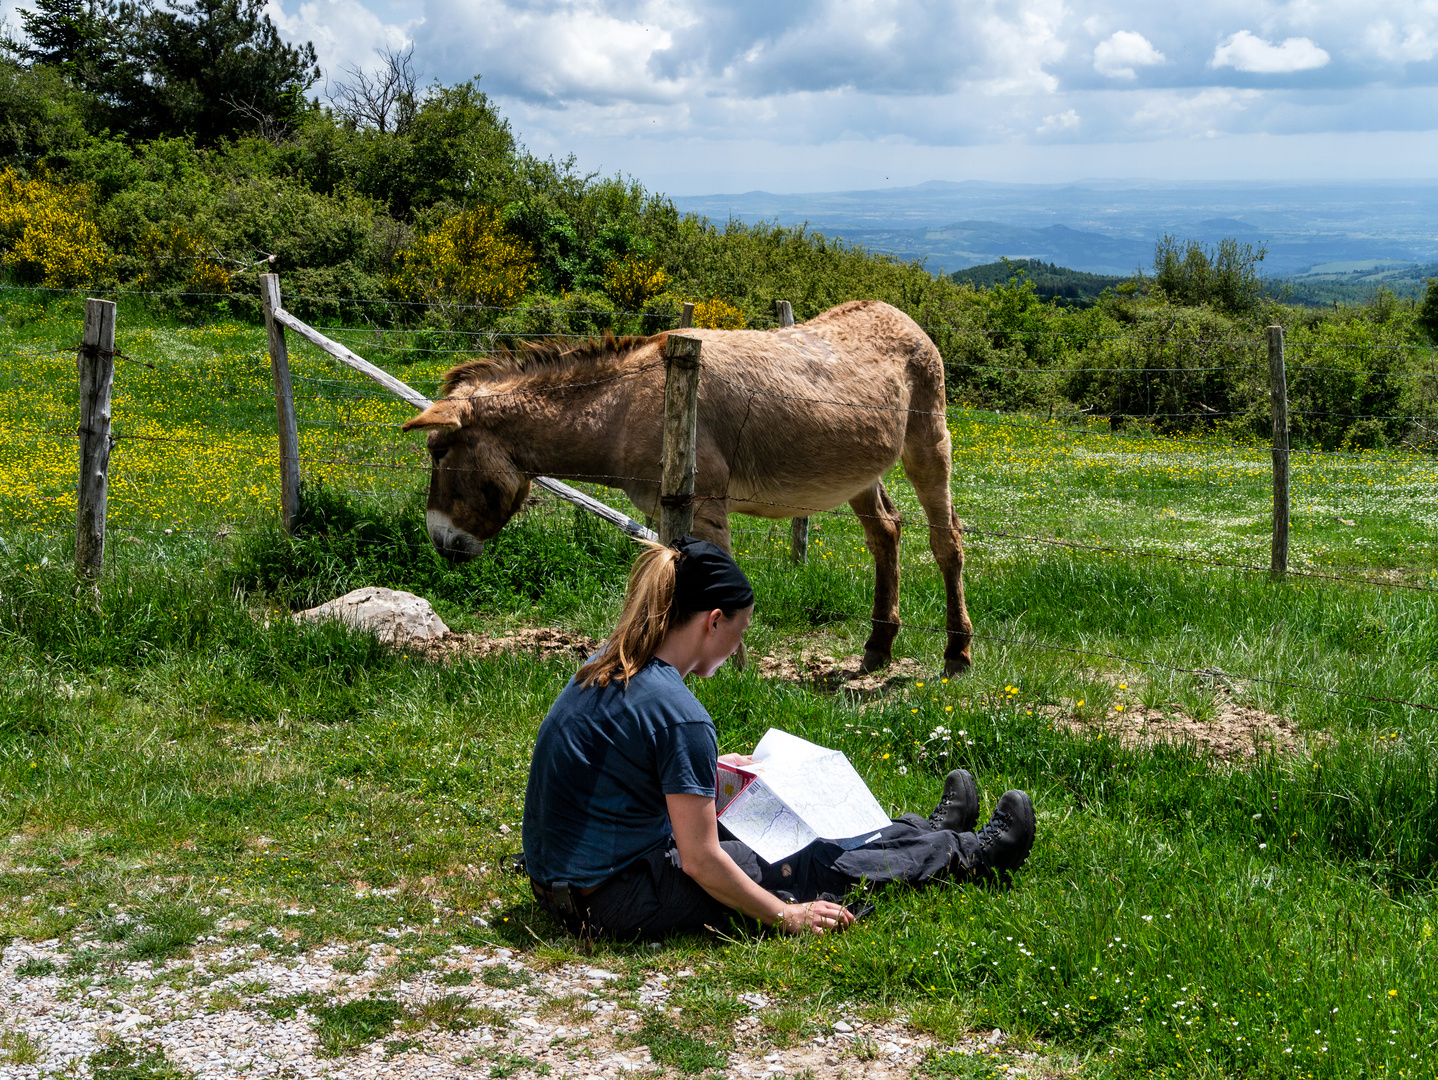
1236,732
545,641
828,675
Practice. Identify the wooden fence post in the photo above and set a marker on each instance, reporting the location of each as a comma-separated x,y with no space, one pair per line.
284,404
97,377
686,322
799,526
681,420
1278,391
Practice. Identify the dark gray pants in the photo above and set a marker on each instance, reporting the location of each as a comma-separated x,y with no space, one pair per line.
653,897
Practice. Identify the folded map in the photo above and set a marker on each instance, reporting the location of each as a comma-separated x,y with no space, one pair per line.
794,793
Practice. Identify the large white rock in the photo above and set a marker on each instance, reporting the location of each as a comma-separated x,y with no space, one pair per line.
392,615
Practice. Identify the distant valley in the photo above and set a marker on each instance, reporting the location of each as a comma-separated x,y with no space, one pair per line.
1338,239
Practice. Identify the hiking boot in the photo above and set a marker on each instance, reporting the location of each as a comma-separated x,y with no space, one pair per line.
958,810
1003,844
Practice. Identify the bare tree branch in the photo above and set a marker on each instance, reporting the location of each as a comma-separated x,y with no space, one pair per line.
385,100
269,127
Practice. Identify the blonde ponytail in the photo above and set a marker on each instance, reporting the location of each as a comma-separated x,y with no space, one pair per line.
648,613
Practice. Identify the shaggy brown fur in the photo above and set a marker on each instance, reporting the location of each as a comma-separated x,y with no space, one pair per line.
791,422
597,356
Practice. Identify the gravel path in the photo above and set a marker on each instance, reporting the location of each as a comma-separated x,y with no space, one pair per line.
237,1012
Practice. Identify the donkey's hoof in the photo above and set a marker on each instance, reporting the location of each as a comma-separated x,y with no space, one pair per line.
873,661
957,665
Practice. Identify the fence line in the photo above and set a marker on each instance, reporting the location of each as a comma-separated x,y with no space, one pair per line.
773,321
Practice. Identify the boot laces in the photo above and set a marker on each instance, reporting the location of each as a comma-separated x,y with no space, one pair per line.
997,826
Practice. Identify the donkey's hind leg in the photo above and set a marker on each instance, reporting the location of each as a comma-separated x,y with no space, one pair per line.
882,525
927,461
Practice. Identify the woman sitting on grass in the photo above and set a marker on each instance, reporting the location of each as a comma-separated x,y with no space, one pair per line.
620,833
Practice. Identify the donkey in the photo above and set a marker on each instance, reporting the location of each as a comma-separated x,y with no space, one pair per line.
791,422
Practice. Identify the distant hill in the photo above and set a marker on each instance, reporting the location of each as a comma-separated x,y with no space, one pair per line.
1356,282
1070,288
963,244
1110,226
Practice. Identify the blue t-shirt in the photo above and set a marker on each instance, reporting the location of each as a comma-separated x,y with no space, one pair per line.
603,762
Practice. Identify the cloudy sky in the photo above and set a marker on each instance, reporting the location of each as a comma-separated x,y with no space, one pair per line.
703,96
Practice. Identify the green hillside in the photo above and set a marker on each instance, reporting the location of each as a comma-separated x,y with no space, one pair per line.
1065,287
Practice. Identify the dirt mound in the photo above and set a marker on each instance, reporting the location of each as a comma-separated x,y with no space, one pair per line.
544,640
1235,733
831,676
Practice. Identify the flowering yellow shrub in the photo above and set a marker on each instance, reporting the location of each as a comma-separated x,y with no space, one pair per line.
469,259
181,254
45,232
717,314
631,282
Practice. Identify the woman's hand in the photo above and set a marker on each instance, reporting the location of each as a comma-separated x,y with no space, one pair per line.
736,759
816,915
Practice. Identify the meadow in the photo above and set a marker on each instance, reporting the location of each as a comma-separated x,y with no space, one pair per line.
184,751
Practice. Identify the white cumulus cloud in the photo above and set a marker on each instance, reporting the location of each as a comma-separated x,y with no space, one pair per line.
1067,120
344,32
1245,51
1413,42
1119,55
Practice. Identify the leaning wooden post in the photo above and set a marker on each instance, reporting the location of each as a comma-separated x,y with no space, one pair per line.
97,377
681,422
799,527
1278,391
686,316
284,404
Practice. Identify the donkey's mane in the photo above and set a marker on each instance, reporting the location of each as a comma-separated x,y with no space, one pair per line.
538,359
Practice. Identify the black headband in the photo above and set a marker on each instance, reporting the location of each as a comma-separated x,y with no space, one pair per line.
706,578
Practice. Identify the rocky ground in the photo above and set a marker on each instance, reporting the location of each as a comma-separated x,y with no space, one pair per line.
357,1012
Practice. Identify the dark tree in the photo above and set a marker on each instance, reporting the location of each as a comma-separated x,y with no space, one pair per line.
1428,310
84,40
63,33
211,69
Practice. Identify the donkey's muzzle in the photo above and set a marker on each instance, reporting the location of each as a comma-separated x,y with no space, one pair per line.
454,544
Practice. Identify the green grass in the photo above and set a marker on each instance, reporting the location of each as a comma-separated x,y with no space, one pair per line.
182,745
32,967
121,1061
345,1027
676,1047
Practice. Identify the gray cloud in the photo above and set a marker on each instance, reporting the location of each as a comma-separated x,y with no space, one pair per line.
900,75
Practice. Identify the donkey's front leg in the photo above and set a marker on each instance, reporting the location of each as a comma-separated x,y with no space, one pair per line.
882,527
711,522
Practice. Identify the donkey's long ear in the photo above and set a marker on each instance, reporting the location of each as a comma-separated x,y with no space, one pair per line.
444,413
